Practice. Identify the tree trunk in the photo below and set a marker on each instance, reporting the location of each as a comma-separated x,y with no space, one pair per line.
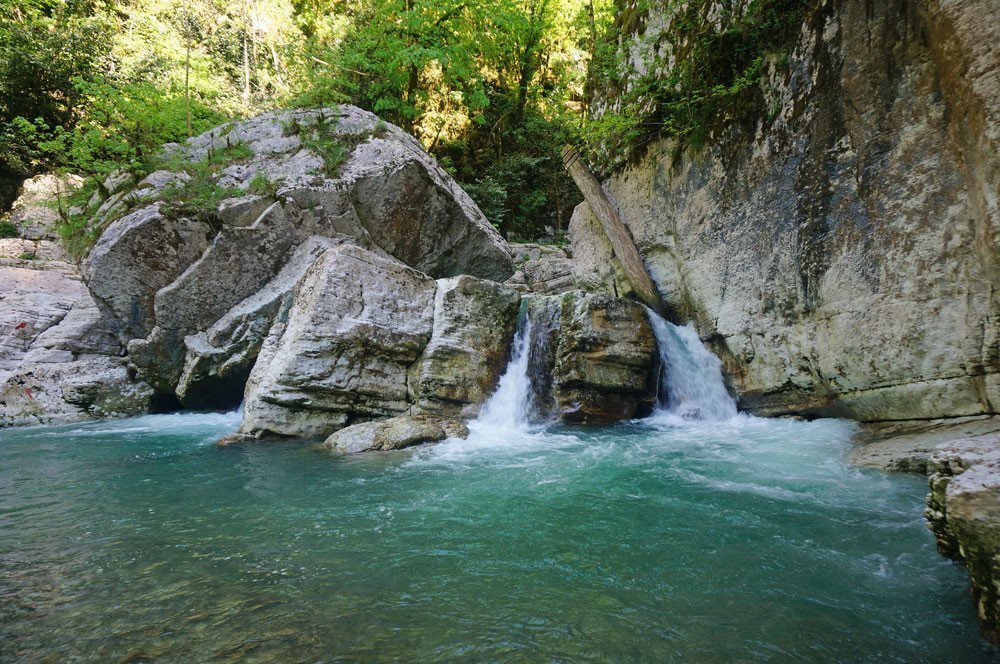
618,233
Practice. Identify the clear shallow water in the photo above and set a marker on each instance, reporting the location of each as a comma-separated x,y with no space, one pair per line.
668,540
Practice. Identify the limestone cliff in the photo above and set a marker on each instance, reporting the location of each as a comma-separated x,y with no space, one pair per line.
839,250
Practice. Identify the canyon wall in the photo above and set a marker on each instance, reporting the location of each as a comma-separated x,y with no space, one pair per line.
840,250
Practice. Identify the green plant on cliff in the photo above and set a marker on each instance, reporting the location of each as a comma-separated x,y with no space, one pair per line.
719,54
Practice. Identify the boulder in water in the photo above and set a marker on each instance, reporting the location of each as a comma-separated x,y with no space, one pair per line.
395,433
601,354
474,322
174,266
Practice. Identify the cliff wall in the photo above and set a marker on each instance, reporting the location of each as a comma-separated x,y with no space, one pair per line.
839,250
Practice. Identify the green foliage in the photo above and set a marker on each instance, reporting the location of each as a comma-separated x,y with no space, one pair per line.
261,185
322,139
28,256
7,230
718,73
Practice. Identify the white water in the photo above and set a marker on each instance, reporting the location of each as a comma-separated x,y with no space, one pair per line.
510,405
692,374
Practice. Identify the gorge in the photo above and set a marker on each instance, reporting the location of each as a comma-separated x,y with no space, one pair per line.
290,394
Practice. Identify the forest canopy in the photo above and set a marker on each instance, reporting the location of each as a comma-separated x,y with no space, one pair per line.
492,89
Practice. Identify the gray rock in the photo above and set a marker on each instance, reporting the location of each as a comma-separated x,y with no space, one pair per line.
473,327
58,361
963,509
35,213
356,324
162,277
593,357
395,433
134,258
840,254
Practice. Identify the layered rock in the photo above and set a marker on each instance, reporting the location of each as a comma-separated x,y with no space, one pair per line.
593,358
165,270
963,509
356,324
395,433
839,251
543,269
470,341
58,361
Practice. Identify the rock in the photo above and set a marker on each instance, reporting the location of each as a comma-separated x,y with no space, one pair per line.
35,213
909,446
601,354
963,509
839,250
167,276
218,361
134,258
395,433
58,361
541,269
355,325
474,322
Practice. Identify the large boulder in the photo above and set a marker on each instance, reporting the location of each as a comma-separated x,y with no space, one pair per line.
593,358
474,322
356,324
232,207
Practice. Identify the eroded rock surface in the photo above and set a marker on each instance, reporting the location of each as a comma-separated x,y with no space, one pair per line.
593,358
58,360
963,509
839,251
473,327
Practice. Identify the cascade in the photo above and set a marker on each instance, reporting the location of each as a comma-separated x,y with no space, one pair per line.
691,381
511,405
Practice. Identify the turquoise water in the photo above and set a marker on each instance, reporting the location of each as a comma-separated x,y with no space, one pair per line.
745,540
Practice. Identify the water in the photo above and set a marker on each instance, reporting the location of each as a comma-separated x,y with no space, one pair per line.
743,539
510,406
692,383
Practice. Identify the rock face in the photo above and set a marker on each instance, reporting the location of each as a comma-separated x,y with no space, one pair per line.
593,358
841,253
167,269
58,361
963,509
356,324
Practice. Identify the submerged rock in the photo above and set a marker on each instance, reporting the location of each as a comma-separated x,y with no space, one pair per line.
395,433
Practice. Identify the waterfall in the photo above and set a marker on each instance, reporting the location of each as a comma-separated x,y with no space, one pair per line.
510,405
691,383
